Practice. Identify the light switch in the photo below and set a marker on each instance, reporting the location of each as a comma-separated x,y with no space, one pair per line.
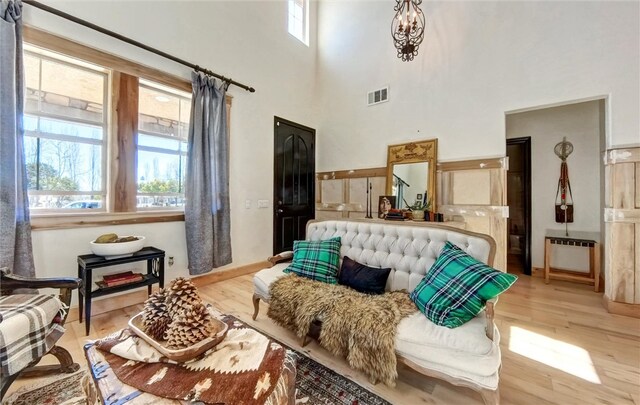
263,203
247,204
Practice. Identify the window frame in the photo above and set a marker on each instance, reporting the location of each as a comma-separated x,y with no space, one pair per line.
120,142
179,153
45,55
305,20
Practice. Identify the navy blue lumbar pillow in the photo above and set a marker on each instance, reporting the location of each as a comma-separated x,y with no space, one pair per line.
365,279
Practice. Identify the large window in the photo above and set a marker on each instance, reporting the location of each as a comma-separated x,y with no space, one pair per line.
65,131
163,124
102,134
298,19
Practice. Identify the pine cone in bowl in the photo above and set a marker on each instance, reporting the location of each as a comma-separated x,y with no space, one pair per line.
193,325
155,317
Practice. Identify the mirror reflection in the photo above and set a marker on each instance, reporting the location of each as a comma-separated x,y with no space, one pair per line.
410,183
411,175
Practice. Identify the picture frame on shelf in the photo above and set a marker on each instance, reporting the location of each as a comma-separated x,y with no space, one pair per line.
385,204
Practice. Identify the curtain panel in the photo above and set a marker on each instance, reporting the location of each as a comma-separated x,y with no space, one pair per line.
15,228
207,211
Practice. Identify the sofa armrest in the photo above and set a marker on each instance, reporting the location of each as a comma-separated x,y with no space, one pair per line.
489,313
280,258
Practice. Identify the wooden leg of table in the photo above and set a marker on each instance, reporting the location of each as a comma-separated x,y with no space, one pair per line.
547,259
596,266
88,276
591,270
80,293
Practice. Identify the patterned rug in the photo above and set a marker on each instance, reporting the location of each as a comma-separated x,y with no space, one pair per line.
315,385
319,385
70,389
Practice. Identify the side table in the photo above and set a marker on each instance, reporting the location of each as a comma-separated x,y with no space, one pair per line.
86,263
580,239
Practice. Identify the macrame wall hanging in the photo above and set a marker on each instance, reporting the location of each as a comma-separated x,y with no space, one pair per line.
564,205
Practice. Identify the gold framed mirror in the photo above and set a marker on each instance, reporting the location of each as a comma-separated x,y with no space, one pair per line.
411,172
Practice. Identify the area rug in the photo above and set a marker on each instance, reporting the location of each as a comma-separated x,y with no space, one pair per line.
319,385
316,384
69,389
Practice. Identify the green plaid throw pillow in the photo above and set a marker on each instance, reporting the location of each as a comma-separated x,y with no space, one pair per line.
316,260
457,287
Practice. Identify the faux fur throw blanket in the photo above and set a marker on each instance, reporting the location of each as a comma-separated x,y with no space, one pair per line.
357,326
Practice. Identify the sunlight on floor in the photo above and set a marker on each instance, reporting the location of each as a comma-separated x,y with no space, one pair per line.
554,353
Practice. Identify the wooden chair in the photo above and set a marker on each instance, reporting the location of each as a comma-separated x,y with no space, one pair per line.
9,283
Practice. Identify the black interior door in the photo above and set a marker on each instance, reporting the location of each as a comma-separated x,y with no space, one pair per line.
294,182
519,201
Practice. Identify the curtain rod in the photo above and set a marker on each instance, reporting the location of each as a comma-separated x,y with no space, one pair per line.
134,43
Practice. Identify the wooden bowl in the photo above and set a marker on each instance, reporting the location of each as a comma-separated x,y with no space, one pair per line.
180,355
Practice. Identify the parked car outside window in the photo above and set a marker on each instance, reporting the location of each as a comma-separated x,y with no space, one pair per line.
83,204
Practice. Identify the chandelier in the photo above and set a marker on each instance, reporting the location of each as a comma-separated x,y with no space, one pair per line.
407,28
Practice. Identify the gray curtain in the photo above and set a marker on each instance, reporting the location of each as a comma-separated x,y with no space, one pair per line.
207,215
15,228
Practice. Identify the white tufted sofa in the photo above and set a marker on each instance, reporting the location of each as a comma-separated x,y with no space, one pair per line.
468,355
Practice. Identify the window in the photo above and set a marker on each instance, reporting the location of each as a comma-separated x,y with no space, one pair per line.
163,125
299,20
103,135
65,131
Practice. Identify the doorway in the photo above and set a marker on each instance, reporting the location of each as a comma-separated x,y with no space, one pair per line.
519,202
293,183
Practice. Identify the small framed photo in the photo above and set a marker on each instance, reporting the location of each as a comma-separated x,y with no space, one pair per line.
385,203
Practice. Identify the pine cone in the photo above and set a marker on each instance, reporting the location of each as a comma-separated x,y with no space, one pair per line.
190,327
181,294
155,317
157,328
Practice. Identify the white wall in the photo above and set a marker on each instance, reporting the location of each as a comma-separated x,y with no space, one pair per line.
580,123
55,251
247,41
479,59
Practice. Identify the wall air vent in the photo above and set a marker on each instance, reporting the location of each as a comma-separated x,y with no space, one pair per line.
378,96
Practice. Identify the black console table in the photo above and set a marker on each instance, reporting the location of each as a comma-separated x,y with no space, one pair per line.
86,264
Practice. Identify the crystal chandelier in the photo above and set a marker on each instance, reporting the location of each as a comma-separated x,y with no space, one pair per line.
407,28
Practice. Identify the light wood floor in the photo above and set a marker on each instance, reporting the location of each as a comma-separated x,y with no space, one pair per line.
559,346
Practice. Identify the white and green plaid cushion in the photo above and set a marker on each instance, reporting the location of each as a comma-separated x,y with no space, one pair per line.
316,260
457,287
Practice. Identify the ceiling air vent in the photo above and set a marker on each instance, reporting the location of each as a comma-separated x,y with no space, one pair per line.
378,96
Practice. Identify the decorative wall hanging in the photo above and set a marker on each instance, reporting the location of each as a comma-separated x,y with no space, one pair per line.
564,206
407,28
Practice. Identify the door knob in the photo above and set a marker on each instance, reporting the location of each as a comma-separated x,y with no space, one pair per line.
279,211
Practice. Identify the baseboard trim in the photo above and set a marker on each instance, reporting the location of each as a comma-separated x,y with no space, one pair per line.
227,274
139,296
621,308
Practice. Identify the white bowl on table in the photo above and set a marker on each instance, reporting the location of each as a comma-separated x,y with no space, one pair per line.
117,250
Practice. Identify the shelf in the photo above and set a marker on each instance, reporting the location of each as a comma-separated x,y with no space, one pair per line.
148,279
87,263
95,261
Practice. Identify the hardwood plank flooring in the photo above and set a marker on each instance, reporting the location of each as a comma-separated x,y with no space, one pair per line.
559,346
